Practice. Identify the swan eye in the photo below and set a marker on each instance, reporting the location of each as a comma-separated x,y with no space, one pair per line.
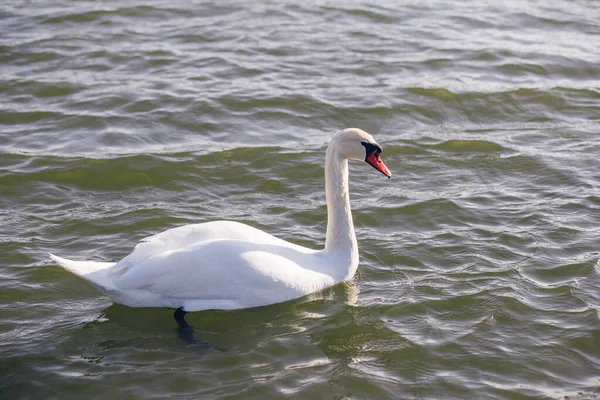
371,148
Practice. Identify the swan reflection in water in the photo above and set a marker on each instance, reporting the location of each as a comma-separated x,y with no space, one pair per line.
224,330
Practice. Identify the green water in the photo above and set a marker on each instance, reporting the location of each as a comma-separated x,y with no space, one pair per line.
479,274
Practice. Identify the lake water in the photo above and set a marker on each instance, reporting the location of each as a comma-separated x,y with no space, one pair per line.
479,274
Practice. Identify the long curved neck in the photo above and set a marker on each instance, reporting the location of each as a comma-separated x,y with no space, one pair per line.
340,239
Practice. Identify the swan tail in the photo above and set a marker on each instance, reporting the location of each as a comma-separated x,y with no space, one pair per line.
93,271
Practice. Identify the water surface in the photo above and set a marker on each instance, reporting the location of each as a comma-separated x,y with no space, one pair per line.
479,273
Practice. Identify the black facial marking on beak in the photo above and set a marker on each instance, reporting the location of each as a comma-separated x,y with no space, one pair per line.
372,158
371,148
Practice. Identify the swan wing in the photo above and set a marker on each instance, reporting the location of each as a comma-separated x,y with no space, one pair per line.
184,236
225,274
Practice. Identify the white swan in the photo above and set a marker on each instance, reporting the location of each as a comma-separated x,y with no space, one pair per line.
229,265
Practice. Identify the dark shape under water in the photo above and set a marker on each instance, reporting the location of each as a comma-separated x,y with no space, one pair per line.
185,330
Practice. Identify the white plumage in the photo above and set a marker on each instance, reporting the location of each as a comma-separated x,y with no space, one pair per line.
229,265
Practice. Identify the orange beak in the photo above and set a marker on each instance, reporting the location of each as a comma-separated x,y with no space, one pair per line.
374,159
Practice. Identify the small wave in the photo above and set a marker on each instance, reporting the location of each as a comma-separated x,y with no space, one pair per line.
469,146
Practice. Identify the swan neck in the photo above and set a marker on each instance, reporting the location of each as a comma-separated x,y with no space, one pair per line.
340,239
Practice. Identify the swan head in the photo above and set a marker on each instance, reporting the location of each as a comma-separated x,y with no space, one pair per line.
356,144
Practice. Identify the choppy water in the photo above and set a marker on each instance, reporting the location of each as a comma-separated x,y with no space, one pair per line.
478,275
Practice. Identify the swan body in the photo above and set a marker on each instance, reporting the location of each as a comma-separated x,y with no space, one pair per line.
229,265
